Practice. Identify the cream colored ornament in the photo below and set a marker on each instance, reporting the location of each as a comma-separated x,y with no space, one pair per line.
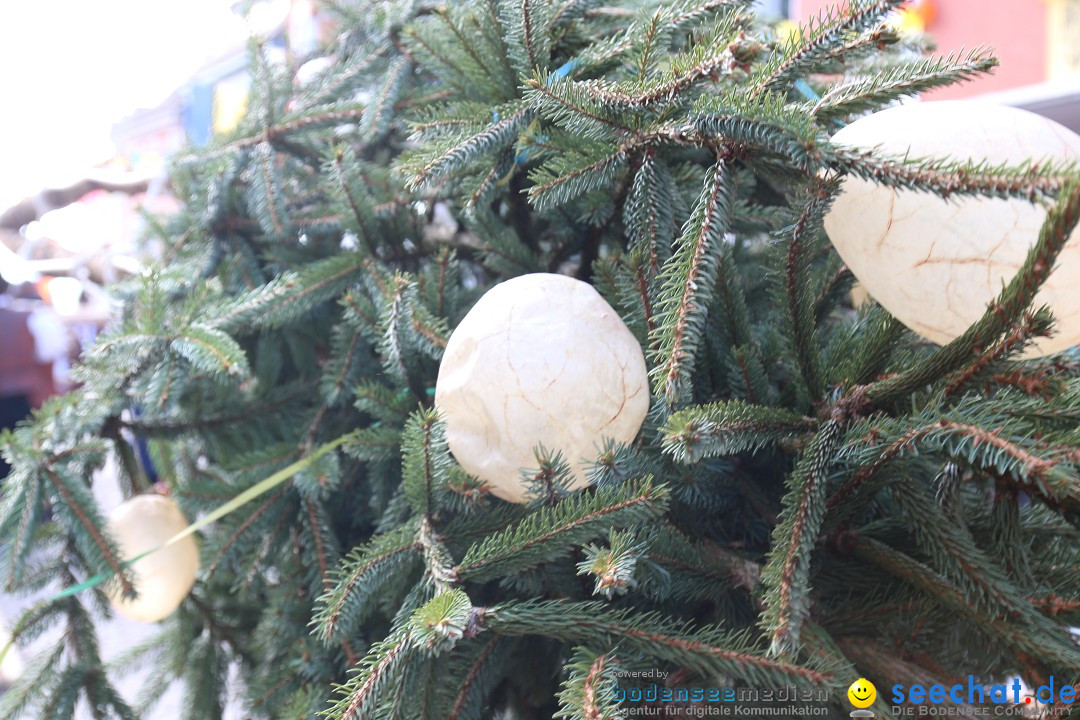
858,295
540,360
935,264
162,578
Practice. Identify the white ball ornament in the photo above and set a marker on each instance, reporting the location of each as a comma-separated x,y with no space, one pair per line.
162,578
540,359
933,263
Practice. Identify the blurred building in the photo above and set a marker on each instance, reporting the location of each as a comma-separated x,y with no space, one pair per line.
1037,42
215,98
58,248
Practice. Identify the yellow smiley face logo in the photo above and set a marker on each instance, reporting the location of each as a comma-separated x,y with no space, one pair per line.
862,693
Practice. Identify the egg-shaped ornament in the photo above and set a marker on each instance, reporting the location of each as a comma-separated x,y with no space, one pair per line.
163,578
540,360
936,263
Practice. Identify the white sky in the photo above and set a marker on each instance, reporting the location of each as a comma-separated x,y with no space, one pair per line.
70,68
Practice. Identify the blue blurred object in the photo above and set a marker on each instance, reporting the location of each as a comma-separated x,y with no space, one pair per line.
13,408
198,114
144,452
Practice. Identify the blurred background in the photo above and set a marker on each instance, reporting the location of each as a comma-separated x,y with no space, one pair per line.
98,96
100,93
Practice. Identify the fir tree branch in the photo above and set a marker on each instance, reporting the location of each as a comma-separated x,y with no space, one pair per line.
376,121
353,200
65,691
1031,325
19,698
649,216
706,650
439,563
343,77
395,330
325,116
243,527
687,281
707,59
955,554
211,351
567,101
454,158
346,343
646,300
1050,646
893,450
382,663
869,92
502,81
442,621
430,332
740,130
557,183
90,521
175,426
533,35
787,574
314,523
1004,451
447,68
946,178
588,691
552,532
375,444
426,461
702,560
472,677
800,305
729,428
22,501
363,572
672,17
291,294
818,42
1055,605
826,298
871,351
267,200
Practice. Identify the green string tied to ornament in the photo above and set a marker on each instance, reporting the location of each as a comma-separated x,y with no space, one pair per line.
260,488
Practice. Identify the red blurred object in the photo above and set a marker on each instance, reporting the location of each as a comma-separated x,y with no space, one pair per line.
21,374
924,10
42,287
1017,30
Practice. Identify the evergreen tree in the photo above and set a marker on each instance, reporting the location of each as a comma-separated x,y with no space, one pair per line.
816,495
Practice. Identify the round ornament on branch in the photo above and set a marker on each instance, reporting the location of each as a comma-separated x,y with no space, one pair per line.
163,578
540,360
936,263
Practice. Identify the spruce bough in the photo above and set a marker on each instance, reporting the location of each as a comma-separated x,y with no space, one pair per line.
816,495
